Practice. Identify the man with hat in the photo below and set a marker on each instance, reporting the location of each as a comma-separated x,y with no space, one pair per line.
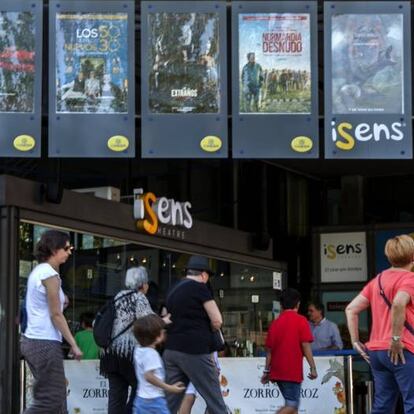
188,349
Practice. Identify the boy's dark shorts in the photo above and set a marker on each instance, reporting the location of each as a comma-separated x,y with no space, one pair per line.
291,392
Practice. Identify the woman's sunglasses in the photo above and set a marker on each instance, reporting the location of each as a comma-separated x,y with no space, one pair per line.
68,248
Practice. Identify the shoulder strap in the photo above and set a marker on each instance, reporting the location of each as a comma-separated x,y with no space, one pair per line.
179,284
387,301
124,296
123,331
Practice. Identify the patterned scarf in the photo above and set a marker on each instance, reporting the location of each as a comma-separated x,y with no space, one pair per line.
128,309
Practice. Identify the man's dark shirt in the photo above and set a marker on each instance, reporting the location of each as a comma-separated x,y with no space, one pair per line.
190,330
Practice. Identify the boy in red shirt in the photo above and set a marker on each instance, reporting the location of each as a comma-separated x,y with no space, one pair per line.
288,340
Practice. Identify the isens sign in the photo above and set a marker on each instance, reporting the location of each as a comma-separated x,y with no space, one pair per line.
150,211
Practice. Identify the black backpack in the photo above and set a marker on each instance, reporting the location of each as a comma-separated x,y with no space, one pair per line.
104,322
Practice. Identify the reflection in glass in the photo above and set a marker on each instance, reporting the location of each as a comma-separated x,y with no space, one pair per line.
96,271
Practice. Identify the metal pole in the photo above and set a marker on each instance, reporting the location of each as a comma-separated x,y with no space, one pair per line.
9,284
235,194
350,391
22,386
370,395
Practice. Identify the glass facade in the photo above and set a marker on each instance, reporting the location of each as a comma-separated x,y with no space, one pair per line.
96,270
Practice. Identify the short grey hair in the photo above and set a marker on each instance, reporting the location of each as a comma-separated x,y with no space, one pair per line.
136,277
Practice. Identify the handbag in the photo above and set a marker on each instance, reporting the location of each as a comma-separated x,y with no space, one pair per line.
218,340
387,301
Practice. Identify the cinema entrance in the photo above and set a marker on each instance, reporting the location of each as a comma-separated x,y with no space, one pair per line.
107,242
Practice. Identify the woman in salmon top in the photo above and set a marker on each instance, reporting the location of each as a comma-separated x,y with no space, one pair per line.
390,349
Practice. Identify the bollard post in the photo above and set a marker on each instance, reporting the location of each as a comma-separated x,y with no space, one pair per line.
22,385
370,395
350,391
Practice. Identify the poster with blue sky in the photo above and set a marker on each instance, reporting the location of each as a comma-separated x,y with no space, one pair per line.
275,63
91,62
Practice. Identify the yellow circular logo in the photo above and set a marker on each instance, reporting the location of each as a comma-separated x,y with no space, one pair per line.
301,144
118,143
211,143
24,143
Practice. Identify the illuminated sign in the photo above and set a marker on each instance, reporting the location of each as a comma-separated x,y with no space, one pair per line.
150,211
345,135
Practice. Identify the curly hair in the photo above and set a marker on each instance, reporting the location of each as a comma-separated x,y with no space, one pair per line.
50,241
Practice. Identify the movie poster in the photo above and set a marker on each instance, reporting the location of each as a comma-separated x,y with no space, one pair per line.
184,62
17,61
91,63
275,63
367,63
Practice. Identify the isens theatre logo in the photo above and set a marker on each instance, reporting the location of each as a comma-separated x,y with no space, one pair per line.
150,211
346,250
346,136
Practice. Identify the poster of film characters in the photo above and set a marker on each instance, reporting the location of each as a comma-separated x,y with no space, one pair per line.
184,63
17,61
91,63
275,63
367,63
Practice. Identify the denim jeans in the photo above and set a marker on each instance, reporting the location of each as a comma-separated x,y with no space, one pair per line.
150,406
291,392
390,380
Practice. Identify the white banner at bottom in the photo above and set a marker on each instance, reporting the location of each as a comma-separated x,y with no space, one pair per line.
243,393
87,390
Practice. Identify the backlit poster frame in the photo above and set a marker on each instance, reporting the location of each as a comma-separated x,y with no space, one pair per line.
21,103
184,79
368,106
276,115
92,79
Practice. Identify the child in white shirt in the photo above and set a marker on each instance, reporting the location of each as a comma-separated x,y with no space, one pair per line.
149,368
